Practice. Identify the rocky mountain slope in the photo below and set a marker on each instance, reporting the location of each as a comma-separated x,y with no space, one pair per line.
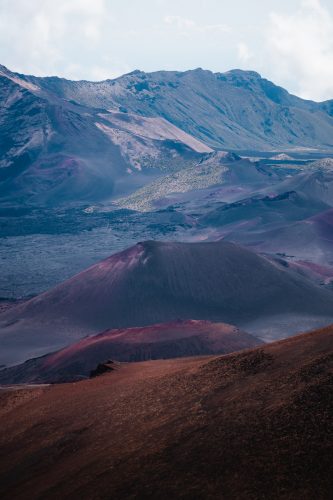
54,151
316,182
65,141
233,110
251,425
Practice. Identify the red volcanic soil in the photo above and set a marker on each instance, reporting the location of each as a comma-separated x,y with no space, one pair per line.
161,341
154,282
251,425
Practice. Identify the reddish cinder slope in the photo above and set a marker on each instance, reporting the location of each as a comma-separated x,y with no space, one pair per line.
156,282
161,341
256,424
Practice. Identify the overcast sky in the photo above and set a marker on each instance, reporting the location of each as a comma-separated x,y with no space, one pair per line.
287,41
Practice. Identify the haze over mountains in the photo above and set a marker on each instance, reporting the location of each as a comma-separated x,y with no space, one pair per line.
152,217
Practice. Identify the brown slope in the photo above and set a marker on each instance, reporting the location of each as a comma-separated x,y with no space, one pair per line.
247,426
161,341
155,282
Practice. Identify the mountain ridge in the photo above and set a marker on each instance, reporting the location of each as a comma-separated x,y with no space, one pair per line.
65,141
143,89
236,77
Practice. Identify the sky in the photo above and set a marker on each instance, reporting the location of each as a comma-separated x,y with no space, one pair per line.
287,41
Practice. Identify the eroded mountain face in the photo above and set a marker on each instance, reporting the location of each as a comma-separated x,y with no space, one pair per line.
66,141
233,110
55,151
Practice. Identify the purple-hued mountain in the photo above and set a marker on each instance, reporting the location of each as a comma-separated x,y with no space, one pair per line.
161,341
293,217
155,282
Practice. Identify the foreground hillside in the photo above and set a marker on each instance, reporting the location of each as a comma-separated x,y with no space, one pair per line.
155,282
249,425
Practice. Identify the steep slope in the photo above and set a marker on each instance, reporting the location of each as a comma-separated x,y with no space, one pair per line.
162,341
50,149
251,425
53,150
81,141
155,282
233,110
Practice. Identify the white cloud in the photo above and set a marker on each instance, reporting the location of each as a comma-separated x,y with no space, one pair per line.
300,46
244,53
62,37
188,26
98,39
108,69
